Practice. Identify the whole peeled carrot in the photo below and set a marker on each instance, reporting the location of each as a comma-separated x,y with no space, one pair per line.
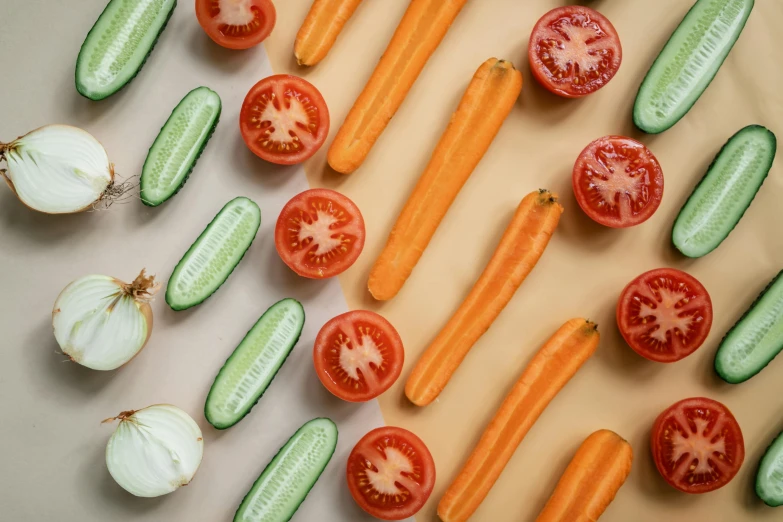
519,250
551,368
421,30
321,28
485,105
591,480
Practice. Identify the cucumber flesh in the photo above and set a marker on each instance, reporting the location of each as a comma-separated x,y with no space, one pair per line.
214,255
756,339
179,145
286,481
118,45
721,198
688,62
255,362
769,479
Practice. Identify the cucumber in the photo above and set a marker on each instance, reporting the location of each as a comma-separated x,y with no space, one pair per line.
286,481
118,45
756,339
723,195
179,145
217,251
250,369
769,479
688,62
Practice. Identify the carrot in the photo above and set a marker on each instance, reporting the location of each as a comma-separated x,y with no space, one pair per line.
518,252
421,30
551,368
591,480
485,105
321,28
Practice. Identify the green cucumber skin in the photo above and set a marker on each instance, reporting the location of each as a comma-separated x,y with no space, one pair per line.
103,95
760,480
706,176
637,111
187,254
291,515
195,158
295,340
719,369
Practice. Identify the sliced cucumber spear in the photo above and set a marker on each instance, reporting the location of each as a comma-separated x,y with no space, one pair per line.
255,362
756,339
688,62
286,481
724,194
118,45
179,145
214,255
769,479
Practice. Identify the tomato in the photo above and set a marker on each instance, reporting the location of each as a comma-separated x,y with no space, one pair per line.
618,182
697,445
390,473
574,51
319,233
236,24
284,119
358,355
664,314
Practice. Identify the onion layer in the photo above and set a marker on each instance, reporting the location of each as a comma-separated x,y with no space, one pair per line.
101,322
57,169
154,451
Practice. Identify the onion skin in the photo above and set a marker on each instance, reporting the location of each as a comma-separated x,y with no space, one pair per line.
140,290
5,147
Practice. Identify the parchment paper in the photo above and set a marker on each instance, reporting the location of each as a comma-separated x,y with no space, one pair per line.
585,267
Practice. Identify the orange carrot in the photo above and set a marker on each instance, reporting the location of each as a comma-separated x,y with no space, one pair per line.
591,480
551,368
485,105
321,28
519,250
421,30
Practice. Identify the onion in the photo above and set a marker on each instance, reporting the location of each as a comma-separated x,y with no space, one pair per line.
101,322
154,450
59,169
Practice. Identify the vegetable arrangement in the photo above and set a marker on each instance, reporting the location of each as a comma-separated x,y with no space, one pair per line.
664,315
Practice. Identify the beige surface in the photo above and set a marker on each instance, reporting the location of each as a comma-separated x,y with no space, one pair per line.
585,267
52,441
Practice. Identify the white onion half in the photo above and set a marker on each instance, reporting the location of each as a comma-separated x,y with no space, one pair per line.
57,169
154,451
101,322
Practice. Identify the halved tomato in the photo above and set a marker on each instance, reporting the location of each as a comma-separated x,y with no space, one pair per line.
574,51
391,473
319,233
697,445
284,119
358,355
236,24
618,182
664,314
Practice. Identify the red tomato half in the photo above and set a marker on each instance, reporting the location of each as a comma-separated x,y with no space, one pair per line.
236,24
618,182
664,314
358,355
390,473
319,233
574,51
284,119
697,445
